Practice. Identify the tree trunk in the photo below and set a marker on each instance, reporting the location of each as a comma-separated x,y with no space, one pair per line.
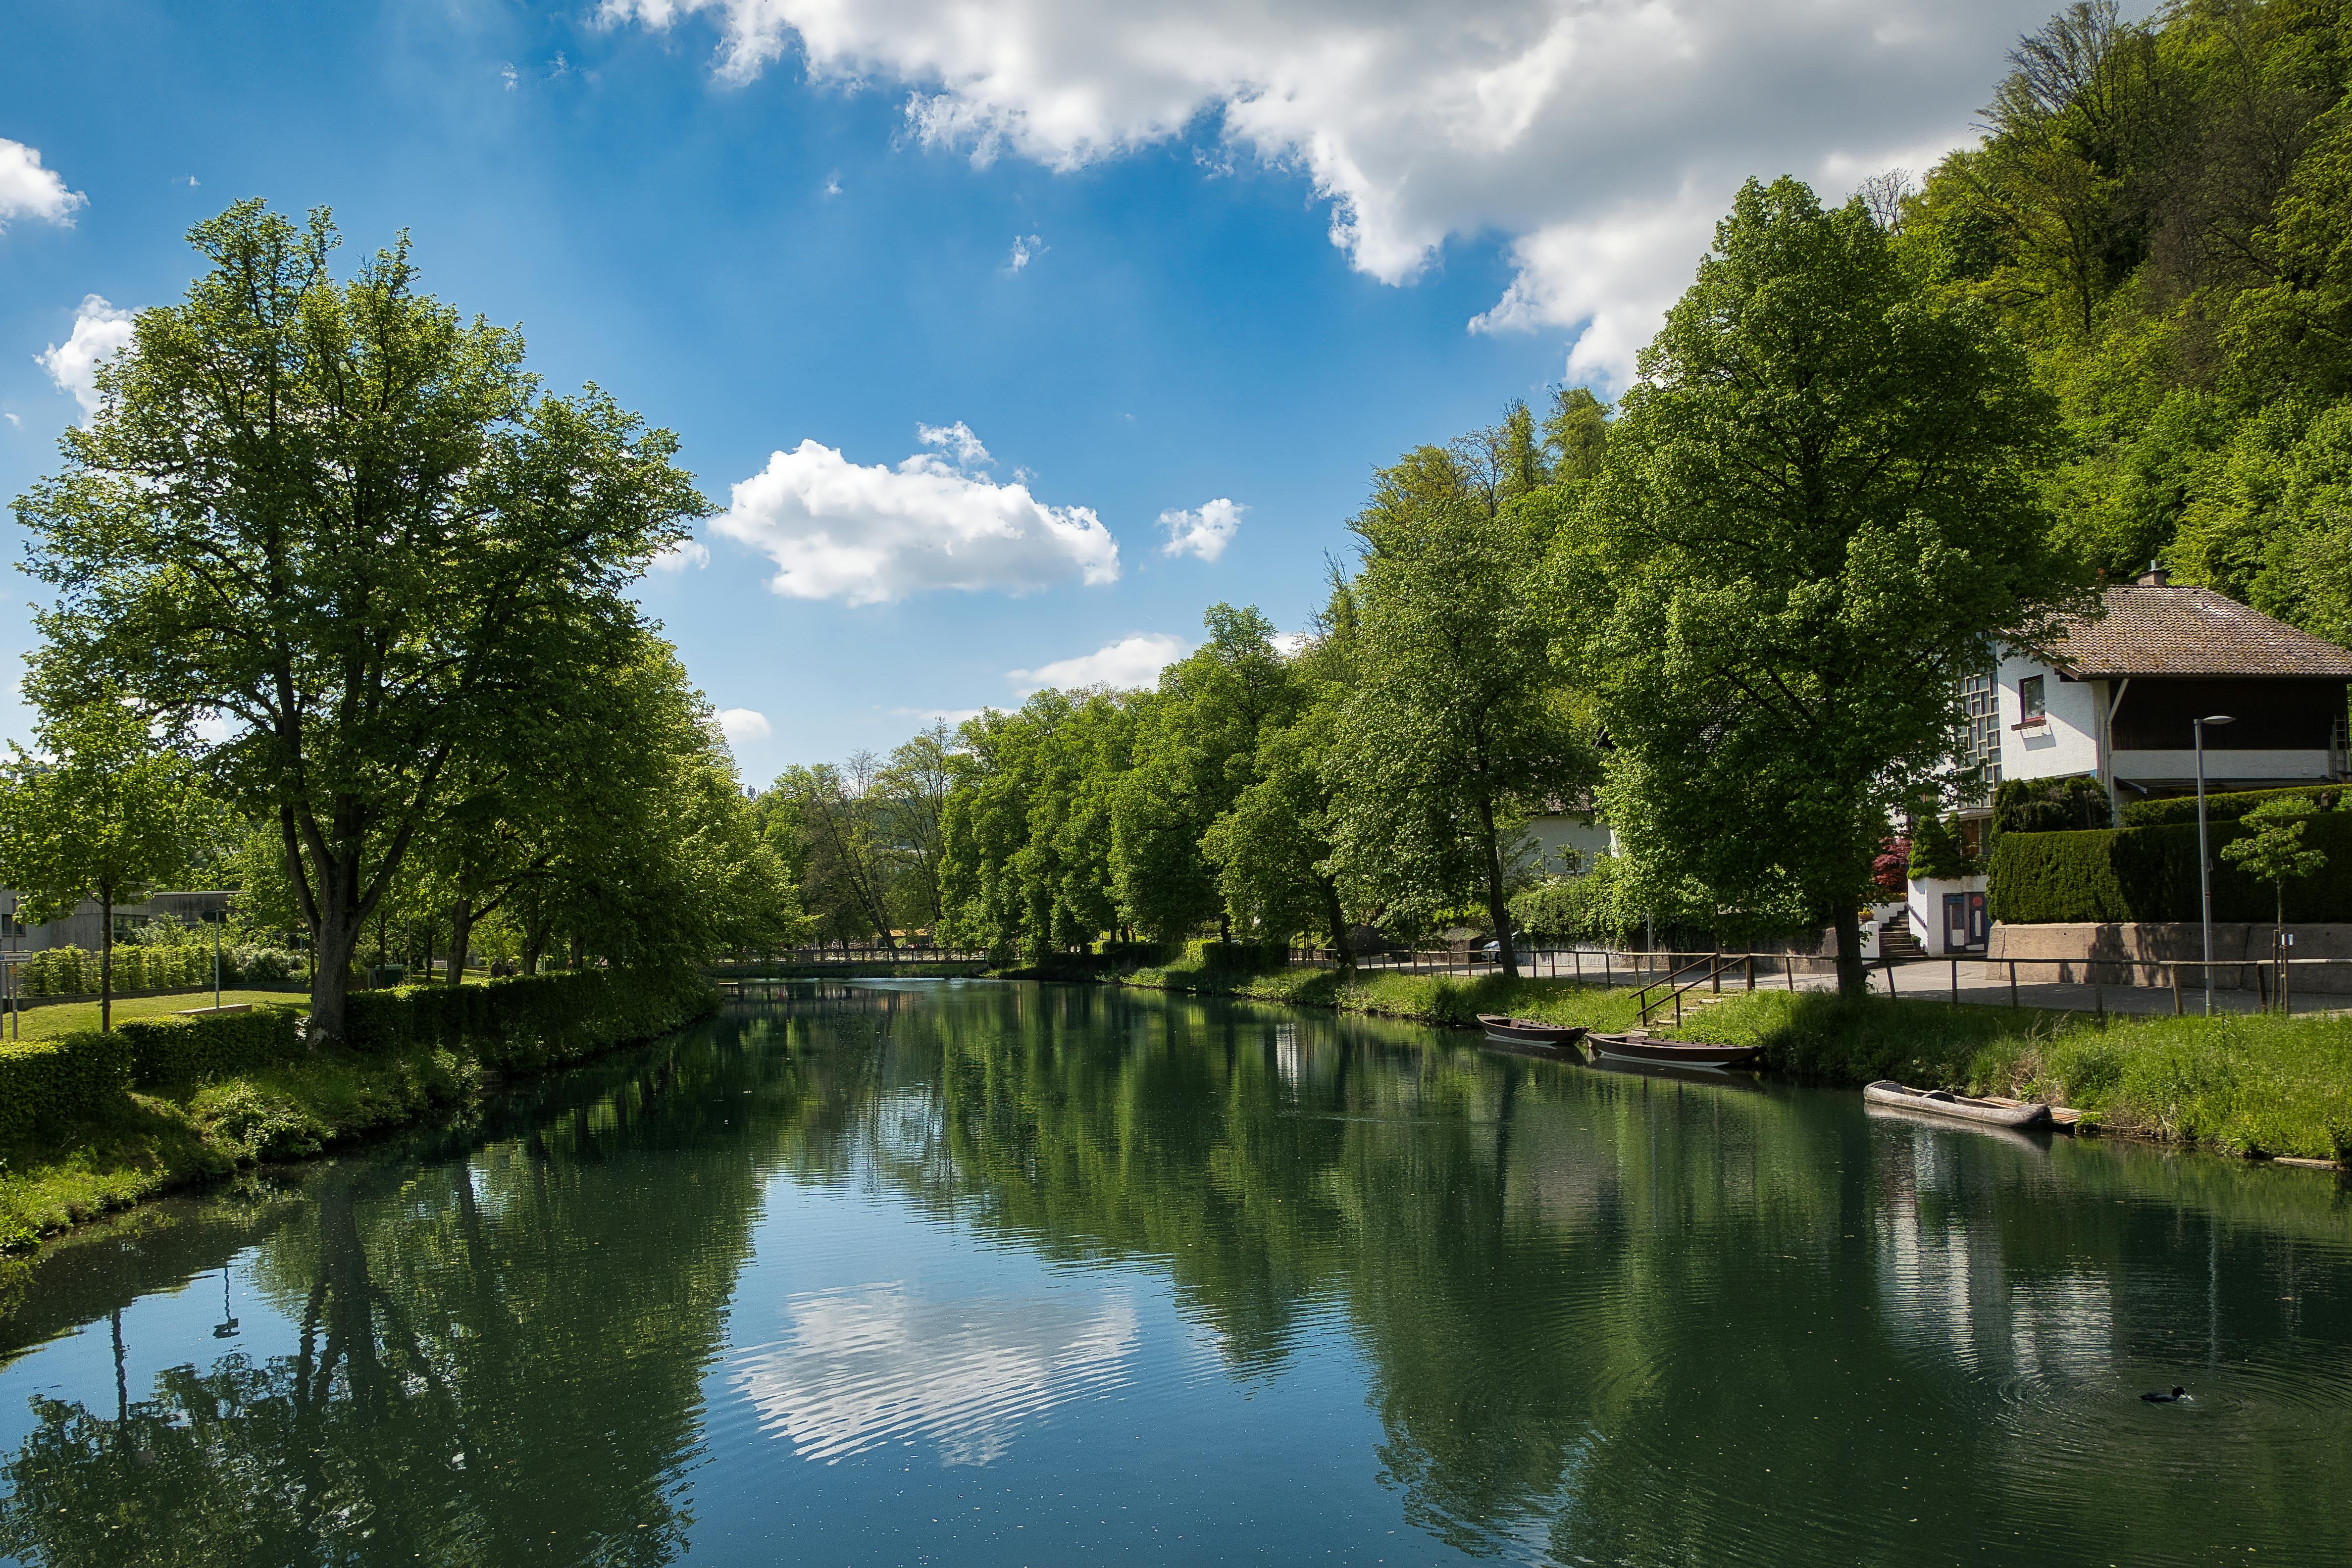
335,940
461,936
1337,919
1498,909
579,952
105,958
1852,979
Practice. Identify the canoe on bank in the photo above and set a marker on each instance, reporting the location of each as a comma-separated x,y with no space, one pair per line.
1527,1031
1642,1046
1943,1103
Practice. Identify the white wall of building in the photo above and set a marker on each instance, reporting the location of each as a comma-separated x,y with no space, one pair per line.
2177,767
1926,908
1589,837
2068,741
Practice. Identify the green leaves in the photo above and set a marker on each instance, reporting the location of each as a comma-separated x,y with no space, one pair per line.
104,812
349,524
1819,508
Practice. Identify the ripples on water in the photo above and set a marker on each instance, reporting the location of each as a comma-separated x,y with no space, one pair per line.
982,1273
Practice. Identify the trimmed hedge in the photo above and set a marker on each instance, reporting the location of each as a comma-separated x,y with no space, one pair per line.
2116,875
515,1025
530,1021
167,1051
50,1081
2226,808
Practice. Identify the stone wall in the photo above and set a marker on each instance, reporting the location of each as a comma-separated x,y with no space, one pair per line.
2145,953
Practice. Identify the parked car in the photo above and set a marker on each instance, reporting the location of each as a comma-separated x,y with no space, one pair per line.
1520,948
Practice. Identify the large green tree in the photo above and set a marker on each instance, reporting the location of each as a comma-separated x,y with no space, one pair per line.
103,812
1817,510
348,523
1457,729
1195,751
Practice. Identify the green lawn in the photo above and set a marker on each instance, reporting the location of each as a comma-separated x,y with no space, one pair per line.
46,1021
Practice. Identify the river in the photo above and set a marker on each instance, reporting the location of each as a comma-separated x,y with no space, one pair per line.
975,1273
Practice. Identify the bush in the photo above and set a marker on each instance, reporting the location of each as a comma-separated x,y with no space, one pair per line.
51,1081
1937,852
2150,874
151,967
182,1050
2050,806
530,1022
2225,808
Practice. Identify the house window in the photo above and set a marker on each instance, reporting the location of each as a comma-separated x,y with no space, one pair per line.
1980,734
2029,698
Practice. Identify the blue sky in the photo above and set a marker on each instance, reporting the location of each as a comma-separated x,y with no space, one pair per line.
1149,260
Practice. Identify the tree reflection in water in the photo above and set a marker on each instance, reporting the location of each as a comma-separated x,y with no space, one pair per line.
1600,1317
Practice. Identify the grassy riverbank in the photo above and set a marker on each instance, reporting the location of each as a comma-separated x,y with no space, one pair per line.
2246,1085
191,1100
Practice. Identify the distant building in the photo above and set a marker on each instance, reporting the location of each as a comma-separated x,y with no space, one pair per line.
82,927
2114,703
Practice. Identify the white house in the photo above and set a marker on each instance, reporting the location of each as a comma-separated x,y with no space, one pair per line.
2115,703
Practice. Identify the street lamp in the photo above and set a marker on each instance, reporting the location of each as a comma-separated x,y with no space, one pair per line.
2204,862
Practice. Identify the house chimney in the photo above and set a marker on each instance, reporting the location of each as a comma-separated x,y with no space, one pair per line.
2154,577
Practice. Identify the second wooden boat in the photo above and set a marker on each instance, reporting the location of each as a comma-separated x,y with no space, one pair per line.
1961,1107
1528,1031
1642,1046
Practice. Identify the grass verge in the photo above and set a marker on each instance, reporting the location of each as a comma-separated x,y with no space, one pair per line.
148,1143
2249,1086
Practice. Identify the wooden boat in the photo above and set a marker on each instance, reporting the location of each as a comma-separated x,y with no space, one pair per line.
1527,1031
1961,1107
1642,1046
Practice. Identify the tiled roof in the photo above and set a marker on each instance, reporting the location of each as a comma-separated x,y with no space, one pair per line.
2156,628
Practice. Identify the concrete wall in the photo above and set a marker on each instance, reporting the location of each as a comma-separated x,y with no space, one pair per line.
2145,953
2068,743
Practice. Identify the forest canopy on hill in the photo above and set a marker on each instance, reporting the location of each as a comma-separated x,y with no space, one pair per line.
2161,210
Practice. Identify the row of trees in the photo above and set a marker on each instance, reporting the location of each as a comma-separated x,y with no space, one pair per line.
1729,613
330,565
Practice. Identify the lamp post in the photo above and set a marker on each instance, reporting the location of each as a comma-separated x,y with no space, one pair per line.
2204,862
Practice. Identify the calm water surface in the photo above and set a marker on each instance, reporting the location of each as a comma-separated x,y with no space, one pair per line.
981,1274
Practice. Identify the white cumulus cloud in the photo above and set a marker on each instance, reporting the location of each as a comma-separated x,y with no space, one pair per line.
838,530
1129,662
99,330
1025,248
957,438
679,557
29,191
1598,140
744,724
1205,533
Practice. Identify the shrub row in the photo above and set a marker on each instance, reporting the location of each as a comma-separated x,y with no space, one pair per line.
530,1021
512,1025
166,1052
49,1082
2116,875
73,971
2227,807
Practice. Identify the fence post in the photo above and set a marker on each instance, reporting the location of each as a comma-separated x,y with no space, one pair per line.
1751,971
2013,982
1956,982
2176,990
1789,969
1890,977
2262,983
